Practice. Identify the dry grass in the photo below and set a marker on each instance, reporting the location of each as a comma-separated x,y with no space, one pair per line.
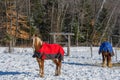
116,64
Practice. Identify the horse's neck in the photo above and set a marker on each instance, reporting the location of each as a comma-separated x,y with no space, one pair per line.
37,43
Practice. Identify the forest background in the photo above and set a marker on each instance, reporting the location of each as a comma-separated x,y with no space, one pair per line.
91,21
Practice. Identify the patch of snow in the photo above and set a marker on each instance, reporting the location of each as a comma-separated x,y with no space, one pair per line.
20,65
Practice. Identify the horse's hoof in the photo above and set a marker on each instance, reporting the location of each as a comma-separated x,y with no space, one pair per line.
57,74
104,65
41,76
110,66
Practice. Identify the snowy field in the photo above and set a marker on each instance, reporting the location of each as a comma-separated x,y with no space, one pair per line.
20,65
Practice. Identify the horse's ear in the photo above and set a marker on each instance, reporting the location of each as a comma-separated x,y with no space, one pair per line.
35,35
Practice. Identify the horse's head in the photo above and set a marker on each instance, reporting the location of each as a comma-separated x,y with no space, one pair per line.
37,42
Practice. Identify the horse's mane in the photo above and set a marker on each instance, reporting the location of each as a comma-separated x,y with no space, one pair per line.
37,43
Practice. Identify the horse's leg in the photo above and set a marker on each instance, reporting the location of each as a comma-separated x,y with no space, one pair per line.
59,66
56,63
103,59
41,67
109,64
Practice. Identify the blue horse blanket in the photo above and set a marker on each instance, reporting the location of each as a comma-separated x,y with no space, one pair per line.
106,47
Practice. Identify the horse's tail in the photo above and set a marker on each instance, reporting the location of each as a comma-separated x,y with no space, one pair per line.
61,52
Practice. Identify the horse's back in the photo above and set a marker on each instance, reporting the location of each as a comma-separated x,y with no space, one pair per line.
51,51
106,47
53,48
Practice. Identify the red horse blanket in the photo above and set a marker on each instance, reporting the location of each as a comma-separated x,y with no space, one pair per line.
49,51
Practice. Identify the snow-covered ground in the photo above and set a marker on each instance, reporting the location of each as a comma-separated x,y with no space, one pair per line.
20,65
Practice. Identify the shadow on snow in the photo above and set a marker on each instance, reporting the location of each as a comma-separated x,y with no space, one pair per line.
12,73
81,64
88,64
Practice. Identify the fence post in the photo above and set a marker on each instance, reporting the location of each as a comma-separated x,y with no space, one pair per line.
68,48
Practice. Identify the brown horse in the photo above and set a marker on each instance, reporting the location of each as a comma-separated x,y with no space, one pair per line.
107,53
106,58
43,52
